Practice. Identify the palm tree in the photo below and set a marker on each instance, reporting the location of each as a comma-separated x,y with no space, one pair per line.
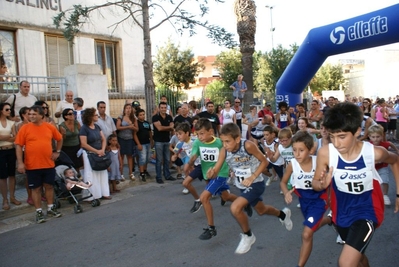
245,11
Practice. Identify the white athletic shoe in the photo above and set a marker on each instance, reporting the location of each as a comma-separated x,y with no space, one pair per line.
387,201
185,191
298,206
339,240
245,244
269,180
287,221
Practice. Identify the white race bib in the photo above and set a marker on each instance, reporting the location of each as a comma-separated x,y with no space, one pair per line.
209,154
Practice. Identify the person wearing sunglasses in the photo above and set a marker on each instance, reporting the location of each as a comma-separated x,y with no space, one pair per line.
69,129
7,156
46,111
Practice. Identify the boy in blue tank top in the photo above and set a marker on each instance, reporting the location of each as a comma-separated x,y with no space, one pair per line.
356,198
247,163
313,203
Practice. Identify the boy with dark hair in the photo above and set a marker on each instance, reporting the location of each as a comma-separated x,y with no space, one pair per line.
313,204
357,203
144,142
247,163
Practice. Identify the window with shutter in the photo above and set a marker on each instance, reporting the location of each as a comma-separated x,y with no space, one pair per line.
106,57
59,54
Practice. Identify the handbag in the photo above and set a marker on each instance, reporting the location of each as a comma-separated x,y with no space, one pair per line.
98,163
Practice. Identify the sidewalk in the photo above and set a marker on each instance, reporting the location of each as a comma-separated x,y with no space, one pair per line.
21,215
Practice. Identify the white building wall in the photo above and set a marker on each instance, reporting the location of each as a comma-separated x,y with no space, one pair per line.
31,20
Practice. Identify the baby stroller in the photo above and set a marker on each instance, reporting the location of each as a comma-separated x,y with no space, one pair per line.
60,190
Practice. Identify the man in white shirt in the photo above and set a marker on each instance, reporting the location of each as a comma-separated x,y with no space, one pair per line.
78,109
22,99
66,103
105,122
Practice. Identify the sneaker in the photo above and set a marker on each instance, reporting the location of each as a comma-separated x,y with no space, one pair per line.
387,201
248,210
122,178
298,205
196,207
208,233
339,240
171,178
179,176
132,177
245,244
40,217
185,191
53,212
281,192
160,181
142,177
222,202
287,221
269,181
147,174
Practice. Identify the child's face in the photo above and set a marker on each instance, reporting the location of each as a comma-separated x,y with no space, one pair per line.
182,136
141,116
285,141
343,141
205,136
301,125
163,99
69,173
301,152
376,138
282,109
194,123
229,143
113,141
323,132
269,136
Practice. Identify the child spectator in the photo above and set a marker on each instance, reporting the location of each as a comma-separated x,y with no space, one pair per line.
71,180
144,142
355,193
247,162
178,162
116,167
313,203
376,133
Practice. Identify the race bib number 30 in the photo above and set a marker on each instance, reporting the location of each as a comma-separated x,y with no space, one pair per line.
209,154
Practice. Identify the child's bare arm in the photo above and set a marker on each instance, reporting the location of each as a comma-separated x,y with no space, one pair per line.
283,184
322,179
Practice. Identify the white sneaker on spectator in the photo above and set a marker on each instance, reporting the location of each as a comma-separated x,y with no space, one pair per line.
185,191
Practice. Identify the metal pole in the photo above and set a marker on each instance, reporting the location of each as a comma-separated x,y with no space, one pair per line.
271,23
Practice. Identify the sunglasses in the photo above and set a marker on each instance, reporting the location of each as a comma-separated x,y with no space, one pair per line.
44,107
69,114
237,102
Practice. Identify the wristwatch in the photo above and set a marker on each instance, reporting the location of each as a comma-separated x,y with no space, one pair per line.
58,151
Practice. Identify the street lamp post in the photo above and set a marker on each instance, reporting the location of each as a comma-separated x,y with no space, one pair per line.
271,23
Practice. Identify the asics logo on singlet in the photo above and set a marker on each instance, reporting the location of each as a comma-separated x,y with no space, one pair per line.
353,176
305,176
208,150
240,173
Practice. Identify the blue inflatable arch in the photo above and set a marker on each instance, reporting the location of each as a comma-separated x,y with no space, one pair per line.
377,28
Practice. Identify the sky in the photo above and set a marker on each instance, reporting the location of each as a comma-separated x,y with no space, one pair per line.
292,20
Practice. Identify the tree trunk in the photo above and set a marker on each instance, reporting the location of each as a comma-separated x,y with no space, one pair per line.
147,63
245,11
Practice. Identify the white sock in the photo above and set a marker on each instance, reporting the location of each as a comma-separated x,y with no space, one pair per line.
39,209
49,206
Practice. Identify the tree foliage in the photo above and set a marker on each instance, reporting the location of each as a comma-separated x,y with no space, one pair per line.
140,13
228,63
218,92
174,67
329,77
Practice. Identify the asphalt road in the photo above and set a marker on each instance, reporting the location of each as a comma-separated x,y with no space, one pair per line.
150,225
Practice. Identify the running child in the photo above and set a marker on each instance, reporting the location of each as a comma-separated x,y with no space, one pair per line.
183,151
283,117
356,198
178,162
247,163
313,203
116,167
207,148
271,143
144,142
375,134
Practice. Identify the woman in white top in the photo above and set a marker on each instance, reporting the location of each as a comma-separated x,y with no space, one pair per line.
228,114
7,156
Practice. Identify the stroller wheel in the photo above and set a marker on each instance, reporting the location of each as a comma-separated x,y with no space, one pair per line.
94,203
70,200
77,209
98,202
57,203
